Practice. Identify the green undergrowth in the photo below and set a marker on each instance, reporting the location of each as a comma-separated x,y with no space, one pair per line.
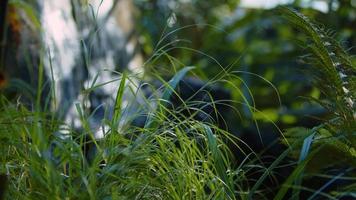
177,157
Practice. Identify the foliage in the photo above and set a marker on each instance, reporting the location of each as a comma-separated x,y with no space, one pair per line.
160,162
245,39
333,142
175,157
334,74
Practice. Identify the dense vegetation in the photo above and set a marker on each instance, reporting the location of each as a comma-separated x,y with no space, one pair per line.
177,157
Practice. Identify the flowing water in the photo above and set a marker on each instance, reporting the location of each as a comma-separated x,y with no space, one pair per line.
83,50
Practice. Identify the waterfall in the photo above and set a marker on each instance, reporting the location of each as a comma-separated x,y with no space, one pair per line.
82,49
62,44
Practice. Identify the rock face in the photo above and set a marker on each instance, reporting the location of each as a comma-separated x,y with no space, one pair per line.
77,46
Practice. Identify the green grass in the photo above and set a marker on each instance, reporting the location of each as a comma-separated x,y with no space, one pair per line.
175,157
171,157
159,161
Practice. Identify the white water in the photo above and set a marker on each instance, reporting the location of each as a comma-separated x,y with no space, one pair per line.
63,41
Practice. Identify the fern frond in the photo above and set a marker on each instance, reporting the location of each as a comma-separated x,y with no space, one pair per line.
331,64
333,71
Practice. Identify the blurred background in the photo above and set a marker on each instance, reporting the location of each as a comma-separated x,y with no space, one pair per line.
247,38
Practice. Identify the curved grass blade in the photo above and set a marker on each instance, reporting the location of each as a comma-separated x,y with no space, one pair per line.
118,101
167,93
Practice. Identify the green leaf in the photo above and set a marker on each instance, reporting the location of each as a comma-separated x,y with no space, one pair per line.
118,101
167,93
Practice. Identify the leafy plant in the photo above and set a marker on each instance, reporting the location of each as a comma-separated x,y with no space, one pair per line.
177,157
167,159
333,143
